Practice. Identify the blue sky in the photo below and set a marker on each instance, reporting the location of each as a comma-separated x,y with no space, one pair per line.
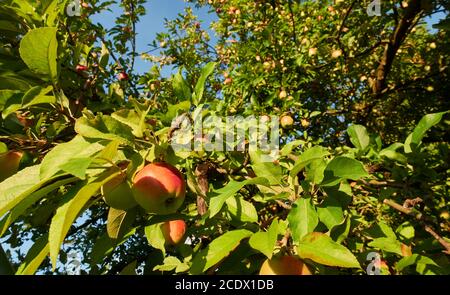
153,23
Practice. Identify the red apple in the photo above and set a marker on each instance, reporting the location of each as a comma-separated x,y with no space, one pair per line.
123,76
159,188
174,231
117,193
81,68
9,164
284,265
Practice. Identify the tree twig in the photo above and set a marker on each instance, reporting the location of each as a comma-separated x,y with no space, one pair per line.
419,217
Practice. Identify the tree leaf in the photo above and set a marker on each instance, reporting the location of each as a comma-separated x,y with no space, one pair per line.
302,219
38,49
219,197
35,256
17,187
27,202
73,203
200,86
104,127
76,167
6,267
242,209
265,242
330,212
359,137
180,87
63,154
119,222
268,170
218,249
322,249
314,153
104,246
155,236
343,168
388,245
425,124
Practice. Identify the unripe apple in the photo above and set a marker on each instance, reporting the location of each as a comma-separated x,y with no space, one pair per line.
444,215
286,122
284,265
282,94
430,88
123,76
159,188
228,81
312,51
305,123
117,193
432,45
336,53
9,164
174,231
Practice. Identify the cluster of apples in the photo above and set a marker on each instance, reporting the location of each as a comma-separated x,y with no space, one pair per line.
159,188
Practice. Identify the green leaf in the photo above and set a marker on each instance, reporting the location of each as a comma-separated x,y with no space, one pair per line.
322,249
265,242
425,124
406,230
76,166
35,96
218,249
287,149
104,127
359,137
340,232
314,153
394,156
200,86
424,265
155,236
268,170
130,118
6,267
388,245
74,201
63,154
242,209
302,219
381,230
119,223
38,49
170,263
343,168
21,207
330,212
219,197
181,88
129,270
19,186
35,256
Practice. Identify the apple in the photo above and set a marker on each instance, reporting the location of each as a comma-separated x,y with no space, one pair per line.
228,81
81,68
312,51
159,188
117,193
84,5
432,45
123,76
444,215
174,231
9,163
305,123
286,122
282,94
336,53
284,265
